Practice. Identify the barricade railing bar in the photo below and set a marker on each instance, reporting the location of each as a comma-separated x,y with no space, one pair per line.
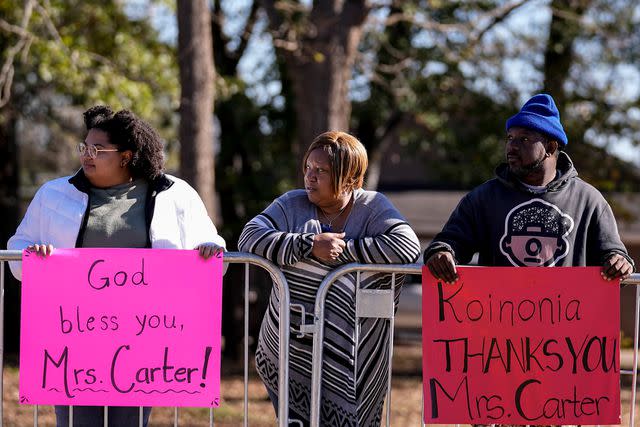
248,260
381,305
369,303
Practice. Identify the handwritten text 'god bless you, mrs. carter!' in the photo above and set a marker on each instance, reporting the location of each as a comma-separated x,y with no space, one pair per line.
74,321
491,355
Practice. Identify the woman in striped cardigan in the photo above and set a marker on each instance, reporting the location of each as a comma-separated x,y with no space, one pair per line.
308,233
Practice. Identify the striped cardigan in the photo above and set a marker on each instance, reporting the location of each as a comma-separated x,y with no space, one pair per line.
355,366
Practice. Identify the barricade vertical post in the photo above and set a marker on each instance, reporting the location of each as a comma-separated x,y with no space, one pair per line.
391,333
246,345
1,341
283,293
422,423
316,358
357,329
635,359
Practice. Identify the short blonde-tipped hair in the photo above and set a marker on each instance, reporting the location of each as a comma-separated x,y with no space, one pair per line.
348,159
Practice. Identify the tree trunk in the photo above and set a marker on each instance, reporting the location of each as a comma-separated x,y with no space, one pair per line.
379,127
321,93
321,65
564,28
197,73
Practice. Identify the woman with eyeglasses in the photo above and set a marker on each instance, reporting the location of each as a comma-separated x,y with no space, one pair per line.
120,198
309,232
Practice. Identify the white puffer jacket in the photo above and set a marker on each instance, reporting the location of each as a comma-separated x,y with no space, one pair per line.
55,216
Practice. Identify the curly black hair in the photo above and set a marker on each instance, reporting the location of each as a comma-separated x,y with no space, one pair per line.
129,132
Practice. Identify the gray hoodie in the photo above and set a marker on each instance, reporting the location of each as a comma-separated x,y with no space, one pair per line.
570,224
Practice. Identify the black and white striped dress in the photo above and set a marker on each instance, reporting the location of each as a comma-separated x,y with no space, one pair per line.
375,233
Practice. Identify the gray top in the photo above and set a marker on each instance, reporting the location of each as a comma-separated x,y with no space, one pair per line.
117,216
375,233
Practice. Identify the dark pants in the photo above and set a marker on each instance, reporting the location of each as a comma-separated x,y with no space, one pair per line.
93,416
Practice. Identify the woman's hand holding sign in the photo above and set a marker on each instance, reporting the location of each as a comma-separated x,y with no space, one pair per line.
41,249
207,250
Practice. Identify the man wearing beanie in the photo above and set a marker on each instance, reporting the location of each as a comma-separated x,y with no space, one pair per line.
536,211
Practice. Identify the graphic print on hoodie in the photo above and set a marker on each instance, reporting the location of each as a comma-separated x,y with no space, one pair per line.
535,234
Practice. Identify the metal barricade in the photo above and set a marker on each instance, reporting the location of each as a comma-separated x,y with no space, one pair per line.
368,304
229,258
381,305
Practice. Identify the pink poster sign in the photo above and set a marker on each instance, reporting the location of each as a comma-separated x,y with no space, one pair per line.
121,327
512,345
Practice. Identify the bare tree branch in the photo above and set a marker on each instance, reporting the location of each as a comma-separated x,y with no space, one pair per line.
8,70
10,28
495,17
226,61
248,29
396,68
50,25
474,35
284,35
291,46
425,25
275,19
26,39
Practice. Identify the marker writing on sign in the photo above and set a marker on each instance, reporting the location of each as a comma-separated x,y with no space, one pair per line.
58,369
526,354
156,375
98,279
506,311
207,353
572,405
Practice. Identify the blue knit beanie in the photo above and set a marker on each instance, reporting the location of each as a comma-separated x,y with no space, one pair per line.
541,114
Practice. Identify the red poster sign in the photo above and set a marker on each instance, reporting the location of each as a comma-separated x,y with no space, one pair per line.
517,345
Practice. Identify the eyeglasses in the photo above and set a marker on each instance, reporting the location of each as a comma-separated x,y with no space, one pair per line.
91,150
